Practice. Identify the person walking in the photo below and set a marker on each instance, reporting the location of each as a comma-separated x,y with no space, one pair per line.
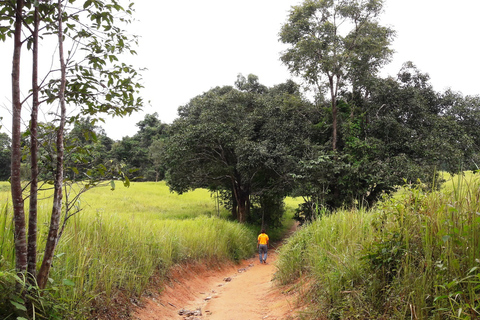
262,246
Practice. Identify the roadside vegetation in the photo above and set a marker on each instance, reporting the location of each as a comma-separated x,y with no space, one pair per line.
416,255
118,242
341,140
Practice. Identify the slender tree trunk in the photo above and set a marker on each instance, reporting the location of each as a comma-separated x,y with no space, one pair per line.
32,217
247,205
52,239
334,92
334,113
234,206
16,183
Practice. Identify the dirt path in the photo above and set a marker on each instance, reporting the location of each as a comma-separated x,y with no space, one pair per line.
233,292
251,295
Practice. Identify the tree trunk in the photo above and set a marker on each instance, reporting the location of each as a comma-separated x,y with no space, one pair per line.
52,239
242,197
16,183
234,206
334,113
242,214
32,217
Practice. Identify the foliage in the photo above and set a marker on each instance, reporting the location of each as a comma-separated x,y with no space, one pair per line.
242,141
121,239
96,85
381,130
415,255
405,131
45,302
333,44
142,152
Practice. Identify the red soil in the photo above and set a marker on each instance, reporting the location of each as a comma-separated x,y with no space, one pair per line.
250,294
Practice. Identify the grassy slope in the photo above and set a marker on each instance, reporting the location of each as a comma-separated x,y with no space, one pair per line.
123,237
414,256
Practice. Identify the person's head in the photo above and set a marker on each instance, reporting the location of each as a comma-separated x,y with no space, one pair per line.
263,230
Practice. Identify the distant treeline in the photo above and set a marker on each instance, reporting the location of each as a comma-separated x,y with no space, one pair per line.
272,142
89,148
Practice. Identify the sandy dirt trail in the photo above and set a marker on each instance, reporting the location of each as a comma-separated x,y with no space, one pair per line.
233,292
251,295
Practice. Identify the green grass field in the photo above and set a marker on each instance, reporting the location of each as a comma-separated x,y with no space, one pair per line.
121,238
416,255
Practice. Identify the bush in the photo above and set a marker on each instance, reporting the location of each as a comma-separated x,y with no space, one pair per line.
42,304
416,255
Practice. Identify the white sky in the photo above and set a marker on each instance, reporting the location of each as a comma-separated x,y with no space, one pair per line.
192,46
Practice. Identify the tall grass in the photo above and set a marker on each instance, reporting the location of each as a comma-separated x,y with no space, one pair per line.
6,234
122,238
416,255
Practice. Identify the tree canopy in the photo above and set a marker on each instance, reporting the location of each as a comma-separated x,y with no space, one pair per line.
334,44
243,140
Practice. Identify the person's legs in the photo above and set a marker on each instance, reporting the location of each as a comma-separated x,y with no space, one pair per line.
262,253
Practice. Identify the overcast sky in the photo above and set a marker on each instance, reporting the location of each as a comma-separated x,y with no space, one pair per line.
192,46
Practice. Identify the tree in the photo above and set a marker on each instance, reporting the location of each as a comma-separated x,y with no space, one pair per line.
137,152
405,132
94,82
239,140
334,44
430,128
151,129
462,114
155,152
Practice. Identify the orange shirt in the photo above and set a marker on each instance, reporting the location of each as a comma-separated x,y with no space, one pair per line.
263,238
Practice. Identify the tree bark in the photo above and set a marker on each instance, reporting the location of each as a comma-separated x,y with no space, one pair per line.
242,197
234,206
16,183
52,239
242,215
334,112
32,217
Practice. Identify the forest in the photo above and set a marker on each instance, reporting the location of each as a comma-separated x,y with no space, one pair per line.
342,138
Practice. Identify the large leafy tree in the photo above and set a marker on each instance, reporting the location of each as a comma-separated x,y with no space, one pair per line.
240,140
404,132
463,116
336,44
87,76
427,127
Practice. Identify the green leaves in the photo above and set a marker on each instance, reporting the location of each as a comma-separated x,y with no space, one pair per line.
7,16
97,82
18,306
68,282
249,136
336,44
